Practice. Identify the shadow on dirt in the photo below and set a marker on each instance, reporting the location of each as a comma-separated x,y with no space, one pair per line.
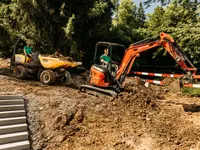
34,80
191,107
5,71
186,107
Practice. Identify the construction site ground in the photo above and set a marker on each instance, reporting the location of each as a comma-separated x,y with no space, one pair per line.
62,118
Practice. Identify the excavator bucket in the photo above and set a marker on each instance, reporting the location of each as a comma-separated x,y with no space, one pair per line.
173,85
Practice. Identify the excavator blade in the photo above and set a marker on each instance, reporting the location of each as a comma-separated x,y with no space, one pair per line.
84,88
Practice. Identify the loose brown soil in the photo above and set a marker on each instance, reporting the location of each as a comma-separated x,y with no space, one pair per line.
141,118
59,56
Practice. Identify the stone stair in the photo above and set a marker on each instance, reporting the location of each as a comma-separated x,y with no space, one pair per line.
13,124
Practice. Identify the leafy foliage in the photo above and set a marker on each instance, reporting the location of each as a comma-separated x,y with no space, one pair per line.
128,19
74,26
141,15
49,25
166,2
182,22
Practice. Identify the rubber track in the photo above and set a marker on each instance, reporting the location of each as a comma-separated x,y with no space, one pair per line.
106,91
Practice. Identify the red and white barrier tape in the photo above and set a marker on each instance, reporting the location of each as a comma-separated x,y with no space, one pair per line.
162,74
162,83
158,74
192,85
153,81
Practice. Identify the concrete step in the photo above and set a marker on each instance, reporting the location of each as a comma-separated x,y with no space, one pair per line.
16,113
23,145
6,97
13,137
13,128
11,101
12,121
11,107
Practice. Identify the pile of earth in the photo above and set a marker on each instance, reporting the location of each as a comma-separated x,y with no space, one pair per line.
5,67
135,120
94,120
5,63
59,56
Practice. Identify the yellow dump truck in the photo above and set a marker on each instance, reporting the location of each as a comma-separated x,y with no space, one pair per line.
47,69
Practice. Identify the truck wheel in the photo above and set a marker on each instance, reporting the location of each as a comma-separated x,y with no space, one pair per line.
47,77
67,78
20,72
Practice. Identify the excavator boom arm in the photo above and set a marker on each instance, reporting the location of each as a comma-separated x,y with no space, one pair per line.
167,42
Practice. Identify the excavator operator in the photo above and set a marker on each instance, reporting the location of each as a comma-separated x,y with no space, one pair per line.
106,62
105,59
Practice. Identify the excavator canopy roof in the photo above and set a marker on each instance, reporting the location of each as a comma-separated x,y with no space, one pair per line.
109,44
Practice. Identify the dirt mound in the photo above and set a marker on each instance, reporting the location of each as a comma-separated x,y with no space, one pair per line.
4,67
134,87
5,63
78,120
171,84
168,81
59,56
133,121
105,118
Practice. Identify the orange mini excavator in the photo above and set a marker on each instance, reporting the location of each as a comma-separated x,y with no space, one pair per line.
111,81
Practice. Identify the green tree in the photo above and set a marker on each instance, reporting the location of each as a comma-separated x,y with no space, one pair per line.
155,23
125,23
126,15
141,14
181,20
163,2
166,2
66,24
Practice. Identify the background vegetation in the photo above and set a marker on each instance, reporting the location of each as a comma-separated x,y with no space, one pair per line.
74,26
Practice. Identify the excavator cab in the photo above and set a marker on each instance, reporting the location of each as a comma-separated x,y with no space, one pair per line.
102,78
116,52
102,75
